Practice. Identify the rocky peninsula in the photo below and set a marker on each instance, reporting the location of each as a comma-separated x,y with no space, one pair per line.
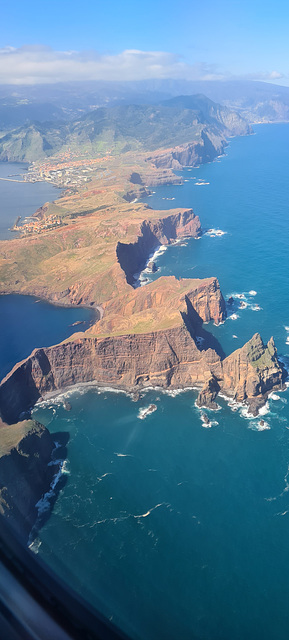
144,336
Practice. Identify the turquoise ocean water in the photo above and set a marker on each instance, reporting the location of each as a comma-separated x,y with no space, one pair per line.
175,530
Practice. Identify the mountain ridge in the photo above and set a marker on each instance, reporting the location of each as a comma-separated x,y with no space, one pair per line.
124,128
255,100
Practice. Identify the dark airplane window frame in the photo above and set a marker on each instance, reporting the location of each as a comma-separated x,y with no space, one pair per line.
60,604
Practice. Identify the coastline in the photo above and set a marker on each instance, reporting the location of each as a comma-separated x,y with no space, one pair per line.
137,393
97,309
133,391
166,229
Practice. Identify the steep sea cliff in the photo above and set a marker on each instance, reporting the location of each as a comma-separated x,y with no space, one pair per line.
26,472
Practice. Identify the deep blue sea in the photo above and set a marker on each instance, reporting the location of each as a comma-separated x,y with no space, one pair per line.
173,530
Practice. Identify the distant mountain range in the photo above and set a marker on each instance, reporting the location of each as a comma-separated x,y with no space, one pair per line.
118,129
19,105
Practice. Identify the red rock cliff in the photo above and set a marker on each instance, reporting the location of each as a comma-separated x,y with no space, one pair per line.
162,358
132,257
169,358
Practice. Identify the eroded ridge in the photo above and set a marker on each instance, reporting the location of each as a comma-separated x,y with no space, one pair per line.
171,357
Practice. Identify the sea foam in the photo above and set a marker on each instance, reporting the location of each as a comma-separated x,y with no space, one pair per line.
146,411
215,232
44,504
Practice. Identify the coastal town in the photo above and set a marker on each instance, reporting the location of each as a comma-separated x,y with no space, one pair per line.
33,224
66,170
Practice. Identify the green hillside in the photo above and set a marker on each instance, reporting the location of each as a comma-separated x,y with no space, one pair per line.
124,128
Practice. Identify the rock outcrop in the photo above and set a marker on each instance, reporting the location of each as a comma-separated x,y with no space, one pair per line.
248,375
25,473
207,300
209,392
251,372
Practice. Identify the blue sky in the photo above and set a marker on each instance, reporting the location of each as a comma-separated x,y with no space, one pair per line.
205,39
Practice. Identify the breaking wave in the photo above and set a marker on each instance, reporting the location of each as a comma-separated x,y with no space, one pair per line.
146,411
44,505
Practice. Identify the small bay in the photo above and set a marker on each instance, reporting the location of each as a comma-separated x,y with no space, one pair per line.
27,322
20,198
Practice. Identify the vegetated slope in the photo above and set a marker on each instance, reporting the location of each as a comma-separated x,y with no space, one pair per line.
208,112
31,143
125,128
15,112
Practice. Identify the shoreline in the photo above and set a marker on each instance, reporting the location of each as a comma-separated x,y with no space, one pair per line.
136,394
111,388
63,188
95,308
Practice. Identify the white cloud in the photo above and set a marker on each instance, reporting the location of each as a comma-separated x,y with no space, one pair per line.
41,64
264,76
275,75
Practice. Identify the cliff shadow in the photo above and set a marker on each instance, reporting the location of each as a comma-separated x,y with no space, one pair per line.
19,391
133,257
45,505
283,361
203,338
